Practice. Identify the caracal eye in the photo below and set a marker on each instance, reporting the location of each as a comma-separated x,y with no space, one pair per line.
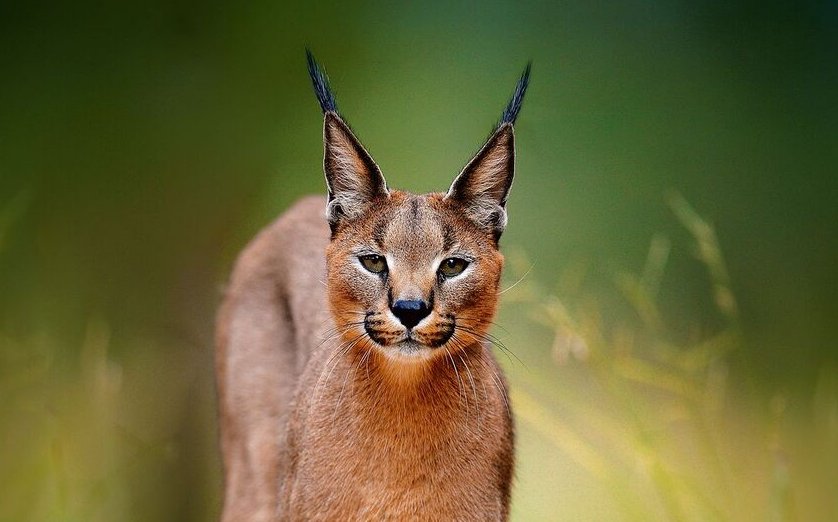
374,263
453,266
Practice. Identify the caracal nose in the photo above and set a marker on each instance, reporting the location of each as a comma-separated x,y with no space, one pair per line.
410,311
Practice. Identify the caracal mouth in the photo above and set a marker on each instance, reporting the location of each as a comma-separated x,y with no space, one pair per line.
408,350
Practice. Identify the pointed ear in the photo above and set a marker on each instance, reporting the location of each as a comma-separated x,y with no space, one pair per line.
483,185
352,177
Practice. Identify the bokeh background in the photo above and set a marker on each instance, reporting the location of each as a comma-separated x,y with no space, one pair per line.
670,299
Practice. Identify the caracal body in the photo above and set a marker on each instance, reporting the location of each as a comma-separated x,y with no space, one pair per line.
355,377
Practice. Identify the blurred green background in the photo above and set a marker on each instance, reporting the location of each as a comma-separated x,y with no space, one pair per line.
672,297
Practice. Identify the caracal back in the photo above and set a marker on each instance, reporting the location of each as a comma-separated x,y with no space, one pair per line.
272,314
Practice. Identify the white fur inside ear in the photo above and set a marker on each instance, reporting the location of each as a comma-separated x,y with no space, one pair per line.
352,177
483,185
487,214
489,177
349,199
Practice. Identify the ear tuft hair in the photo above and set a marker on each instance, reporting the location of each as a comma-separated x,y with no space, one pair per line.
321,84
510,114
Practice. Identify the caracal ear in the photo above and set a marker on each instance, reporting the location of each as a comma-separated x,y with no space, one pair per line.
483,185
352,177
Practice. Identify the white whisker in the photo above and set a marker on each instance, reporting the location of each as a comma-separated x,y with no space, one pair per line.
334,360
518,281
345,379
457,373
473,389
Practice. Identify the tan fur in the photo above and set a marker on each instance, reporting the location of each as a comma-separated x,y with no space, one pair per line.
330,408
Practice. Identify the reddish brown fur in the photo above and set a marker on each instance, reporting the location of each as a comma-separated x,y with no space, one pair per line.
321,422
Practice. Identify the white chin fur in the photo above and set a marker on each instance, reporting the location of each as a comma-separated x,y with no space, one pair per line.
408,351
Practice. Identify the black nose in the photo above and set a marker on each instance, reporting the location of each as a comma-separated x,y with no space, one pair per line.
410,312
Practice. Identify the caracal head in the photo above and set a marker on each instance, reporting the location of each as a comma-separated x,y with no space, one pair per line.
414,277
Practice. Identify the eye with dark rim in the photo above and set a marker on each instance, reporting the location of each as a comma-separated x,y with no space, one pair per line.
374,263
452,267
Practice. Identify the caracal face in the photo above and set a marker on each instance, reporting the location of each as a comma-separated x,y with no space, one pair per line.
413,277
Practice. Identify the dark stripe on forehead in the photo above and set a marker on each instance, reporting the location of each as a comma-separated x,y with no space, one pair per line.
378,232
414,208
414,227
447,236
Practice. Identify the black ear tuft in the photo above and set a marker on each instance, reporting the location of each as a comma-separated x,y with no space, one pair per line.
510,114
321,84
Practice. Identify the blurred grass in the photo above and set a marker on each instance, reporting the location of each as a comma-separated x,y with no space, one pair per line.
100,440
657,424
89,437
